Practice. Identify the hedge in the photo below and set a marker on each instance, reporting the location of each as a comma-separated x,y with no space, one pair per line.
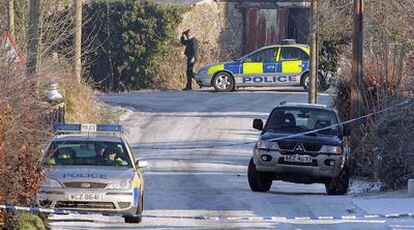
126,42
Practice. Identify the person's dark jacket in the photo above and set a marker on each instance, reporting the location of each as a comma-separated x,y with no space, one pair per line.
191,47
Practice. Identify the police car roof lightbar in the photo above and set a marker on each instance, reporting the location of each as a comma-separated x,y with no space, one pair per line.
288,42
87,128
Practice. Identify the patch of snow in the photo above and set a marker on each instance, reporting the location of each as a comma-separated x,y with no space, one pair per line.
205,2
361,187
370,197
383,205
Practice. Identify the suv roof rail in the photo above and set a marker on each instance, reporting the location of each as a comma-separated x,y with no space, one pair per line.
87,128
302,104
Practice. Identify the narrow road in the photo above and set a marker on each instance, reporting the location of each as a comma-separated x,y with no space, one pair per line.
183,136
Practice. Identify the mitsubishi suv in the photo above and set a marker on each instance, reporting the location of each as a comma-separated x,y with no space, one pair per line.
301,143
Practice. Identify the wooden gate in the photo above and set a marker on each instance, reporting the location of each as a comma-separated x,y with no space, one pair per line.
265,27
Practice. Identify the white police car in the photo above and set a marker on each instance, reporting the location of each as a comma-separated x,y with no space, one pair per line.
92,168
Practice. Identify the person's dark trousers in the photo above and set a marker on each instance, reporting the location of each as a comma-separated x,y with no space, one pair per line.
190,72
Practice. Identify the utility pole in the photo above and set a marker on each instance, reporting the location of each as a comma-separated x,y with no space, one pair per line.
112,85
77,42
11,18
313,78
33,37
357,59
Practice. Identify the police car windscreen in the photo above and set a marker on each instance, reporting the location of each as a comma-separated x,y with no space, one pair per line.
302,119
90,153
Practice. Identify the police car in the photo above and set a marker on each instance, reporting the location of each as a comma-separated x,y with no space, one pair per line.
92,168
286,64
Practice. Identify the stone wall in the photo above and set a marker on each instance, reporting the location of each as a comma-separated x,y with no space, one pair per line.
218,26
219,29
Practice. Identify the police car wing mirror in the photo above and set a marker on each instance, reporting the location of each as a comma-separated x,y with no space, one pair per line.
258,124
141,164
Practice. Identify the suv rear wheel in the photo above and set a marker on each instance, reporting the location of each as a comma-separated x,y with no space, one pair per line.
258,181
340,184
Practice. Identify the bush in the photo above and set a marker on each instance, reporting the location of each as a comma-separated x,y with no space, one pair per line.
25,221
390,147
380,144
131,42
23,131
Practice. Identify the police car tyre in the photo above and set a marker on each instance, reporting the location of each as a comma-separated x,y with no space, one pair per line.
223,82
135,220
258,181
340,184
322,83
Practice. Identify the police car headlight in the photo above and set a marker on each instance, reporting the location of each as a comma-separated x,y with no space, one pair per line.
332,149
51,183
122,184
267,145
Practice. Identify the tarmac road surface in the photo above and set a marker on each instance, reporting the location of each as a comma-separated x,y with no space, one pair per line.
192,173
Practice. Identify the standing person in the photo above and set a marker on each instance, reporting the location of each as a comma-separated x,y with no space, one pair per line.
191,50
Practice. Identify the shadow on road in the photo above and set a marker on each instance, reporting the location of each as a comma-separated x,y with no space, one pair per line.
258,101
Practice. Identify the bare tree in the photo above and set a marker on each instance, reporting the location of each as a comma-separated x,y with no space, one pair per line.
78,40
11,18
33,36
313,91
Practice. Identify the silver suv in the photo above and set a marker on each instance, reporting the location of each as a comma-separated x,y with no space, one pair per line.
301,143
92,168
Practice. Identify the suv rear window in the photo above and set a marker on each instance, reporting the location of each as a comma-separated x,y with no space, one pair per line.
301,119
90,153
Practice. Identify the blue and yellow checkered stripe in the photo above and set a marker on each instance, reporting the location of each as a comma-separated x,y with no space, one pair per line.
260,67
137,186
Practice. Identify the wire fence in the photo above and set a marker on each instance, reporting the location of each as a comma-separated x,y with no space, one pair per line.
56,115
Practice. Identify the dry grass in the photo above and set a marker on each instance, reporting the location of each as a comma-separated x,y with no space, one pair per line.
24,127
23,132
81,105
389,147
381,143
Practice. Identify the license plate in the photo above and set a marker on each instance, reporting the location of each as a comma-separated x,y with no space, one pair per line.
298,158
85,197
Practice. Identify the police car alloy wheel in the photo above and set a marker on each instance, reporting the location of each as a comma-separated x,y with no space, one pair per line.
223,82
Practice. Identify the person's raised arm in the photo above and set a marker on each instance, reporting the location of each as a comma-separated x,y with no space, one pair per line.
183,39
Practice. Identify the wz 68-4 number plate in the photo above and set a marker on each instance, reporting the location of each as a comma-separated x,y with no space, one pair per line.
85,197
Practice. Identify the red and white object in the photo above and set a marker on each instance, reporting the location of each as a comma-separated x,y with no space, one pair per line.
8,44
